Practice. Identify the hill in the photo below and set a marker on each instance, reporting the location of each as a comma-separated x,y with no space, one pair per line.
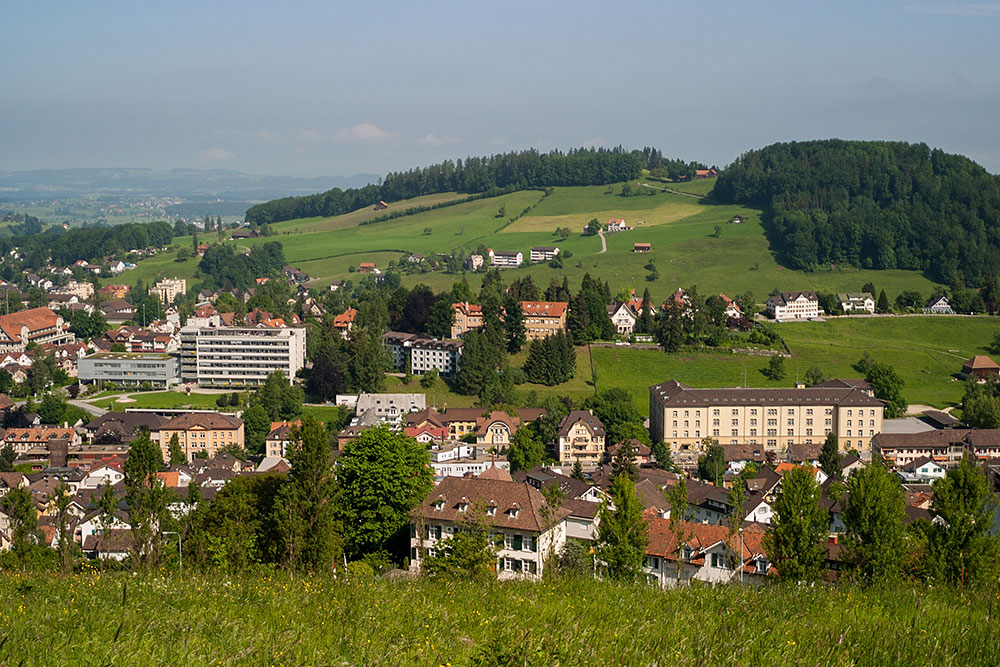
872,204
274,618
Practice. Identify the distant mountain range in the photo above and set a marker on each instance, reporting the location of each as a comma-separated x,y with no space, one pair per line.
187,183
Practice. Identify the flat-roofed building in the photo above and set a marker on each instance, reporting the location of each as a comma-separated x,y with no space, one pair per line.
543,318
129,369
421,354
240,356
775,418
168,289
543,253
504,258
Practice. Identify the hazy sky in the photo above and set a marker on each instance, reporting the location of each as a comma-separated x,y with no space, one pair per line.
315,88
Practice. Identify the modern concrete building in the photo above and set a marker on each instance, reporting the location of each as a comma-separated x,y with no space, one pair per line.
775,418
240,356
129,369
421,354
543,253
504,258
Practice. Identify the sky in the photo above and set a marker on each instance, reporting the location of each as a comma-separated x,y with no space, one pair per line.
336,89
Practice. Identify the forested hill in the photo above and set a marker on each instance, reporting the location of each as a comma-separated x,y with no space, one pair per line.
506,172
872,204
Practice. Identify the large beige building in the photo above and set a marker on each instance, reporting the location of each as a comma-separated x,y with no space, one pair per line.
581,438
775,418
467,316
201,431
543,318
169,289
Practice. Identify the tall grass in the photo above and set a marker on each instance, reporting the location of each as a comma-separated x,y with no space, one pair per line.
275,618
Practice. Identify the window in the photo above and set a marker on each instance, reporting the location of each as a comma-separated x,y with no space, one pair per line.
719,560
518,543
715,411
735,411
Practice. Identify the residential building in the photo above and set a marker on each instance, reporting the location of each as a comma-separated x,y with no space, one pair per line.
24,439
460,459
641,247
129,369
35,325
543,318
543,253
581,438
981,368
506,259
617,225
467,316
793,306
82,291
641,454
119,311
115,291
733,309
623,317
473,262
168,289
240,356
279,438
371,409
709,553
923,470
856,302
420,354
496,429
202,431
775,418
938,305
515,512
344,322
123,427
945,447
368,267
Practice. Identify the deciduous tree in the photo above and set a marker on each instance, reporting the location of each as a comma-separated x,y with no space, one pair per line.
799,528
621,534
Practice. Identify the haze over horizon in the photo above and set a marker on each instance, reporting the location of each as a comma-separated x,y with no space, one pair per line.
311,89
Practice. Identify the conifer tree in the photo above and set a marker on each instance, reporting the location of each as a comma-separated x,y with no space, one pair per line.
829,457
799,527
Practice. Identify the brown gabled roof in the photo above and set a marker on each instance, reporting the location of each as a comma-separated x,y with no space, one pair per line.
115,540
544,308
981,362
517,505
429,414
702,536
483,423
208,420
592,423
495,473
33,319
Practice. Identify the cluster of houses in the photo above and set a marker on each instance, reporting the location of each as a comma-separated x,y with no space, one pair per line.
786,306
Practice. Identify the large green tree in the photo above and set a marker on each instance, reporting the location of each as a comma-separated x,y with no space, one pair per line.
962,548
526,449
147,499
829,456
799,528
621,533
875,542
381,476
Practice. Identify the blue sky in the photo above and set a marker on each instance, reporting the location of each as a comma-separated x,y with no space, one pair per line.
313,88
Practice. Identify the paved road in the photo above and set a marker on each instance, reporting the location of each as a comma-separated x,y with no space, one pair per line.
604,242
92,409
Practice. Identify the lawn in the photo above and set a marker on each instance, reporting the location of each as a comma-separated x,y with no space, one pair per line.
163,399
682,231
273,618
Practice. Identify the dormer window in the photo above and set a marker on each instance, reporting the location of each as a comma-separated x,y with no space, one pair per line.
686,553
463,504
438,504
491,509
513,511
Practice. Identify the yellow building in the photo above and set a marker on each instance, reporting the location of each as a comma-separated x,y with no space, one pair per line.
774,418
543,318
202,431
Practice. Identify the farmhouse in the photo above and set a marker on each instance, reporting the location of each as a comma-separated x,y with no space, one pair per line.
616,225
939,305
380,206
793,305
981,368
855,302
368,267
775,418
641,247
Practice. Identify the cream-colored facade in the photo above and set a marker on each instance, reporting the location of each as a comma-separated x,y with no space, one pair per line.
581,438
775,418
468,316
169,289
196,432
543,318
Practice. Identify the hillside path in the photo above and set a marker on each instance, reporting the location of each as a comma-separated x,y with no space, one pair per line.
675,192
604,241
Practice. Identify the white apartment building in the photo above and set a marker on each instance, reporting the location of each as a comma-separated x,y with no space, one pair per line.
169,289
793,306
775,418
422,354
543,253
504,258
240,356
856,302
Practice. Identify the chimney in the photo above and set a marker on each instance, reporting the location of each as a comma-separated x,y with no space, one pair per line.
832,539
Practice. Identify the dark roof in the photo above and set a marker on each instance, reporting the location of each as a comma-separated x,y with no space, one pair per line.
674,393
797,453
209,420
518,505
939,419
784,297
128,420
939,439
576,416
841,383
543,478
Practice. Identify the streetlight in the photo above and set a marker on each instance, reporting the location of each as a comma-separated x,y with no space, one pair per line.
741,554
180,556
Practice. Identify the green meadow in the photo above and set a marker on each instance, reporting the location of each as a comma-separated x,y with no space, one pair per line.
273,618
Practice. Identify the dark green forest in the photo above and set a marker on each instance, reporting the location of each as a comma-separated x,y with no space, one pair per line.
872,204
506,172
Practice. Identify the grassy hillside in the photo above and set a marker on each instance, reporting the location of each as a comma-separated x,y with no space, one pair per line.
281,620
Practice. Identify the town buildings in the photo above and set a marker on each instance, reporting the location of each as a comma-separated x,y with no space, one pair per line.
129,369
420,354
793,306
506,259
775,418
945,447
35,325
581,438
543,318
856,302
196,432
467,316
168,289
240,356
543,253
